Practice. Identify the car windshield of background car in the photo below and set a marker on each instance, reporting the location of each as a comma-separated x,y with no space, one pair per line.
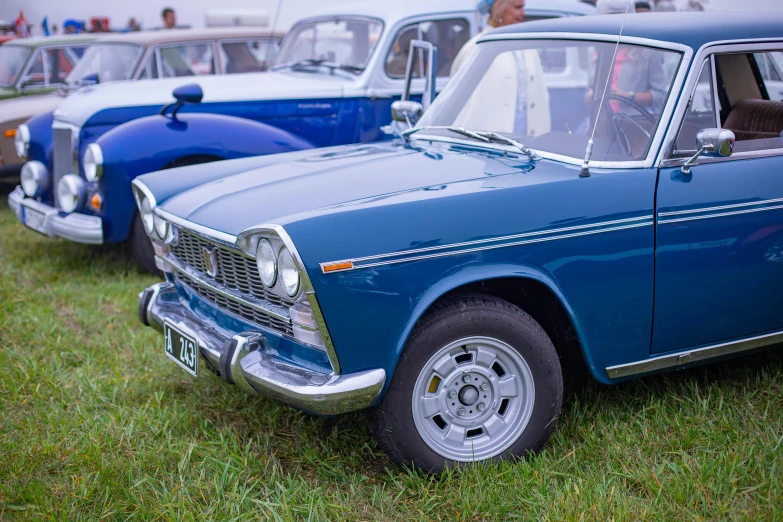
546,94
346,42
111,62
12,59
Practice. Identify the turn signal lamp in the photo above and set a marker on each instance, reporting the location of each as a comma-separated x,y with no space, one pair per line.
337,267
96,202
10,133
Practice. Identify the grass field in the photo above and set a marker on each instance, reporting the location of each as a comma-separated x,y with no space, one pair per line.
95,423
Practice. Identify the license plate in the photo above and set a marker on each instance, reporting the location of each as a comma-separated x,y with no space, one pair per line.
181,348
34,219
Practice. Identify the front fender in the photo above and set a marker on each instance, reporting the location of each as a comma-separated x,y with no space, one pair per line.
157,142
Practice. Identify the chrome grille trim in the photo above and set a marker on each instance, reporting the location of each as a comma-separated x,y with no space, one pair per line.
237,271
248,308
62,155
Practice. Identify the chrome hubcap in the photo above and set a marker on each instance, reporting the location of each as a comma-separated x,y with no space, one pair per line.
473,399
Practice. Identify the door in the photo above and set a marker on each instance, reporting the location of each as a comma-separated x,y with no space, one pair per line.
719,240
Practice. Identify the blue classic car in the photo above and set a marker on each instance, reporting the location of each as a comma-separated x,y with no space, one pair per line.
455,280
334,81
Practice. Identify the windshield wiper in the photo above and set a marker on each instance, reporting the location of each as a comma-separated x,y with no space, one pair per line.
485,136
494,136
310,62
457,130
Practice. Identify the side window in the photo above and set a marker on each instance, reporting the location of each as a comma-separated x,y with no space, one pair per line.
36,74
700,114
49,67
447,35
769,65
187,60
245,57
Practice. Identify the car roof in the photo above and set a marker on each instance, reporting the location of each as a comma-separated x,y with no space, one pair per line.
693,29
183,35
37,41
392,12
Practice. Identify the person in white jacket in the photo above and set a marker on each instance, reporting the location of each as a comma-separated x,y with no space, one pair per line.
512,97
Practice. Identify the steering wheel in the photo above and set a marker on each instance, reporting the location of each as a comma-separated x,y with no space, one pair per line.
616,116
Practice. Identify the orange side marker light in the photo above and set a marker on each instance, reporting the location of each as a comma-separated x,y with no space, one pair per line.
337,266
10,133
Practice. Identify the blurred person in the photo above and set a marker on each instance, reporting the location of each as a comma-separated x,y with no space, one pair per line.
169,18
55,29
71,26
516,78
643,7
133,25
22,27
665,5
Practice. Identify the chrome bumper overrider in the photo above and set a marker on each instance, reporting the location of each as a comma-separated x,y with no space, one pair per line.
244,360
74,227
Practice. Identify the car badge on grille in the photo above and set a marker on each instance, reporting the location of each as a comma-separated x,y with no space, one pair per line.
210,260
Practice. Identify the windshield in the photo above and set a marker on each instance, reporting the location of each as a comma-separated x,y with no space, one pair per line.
111,62
12,59
547,94
346,42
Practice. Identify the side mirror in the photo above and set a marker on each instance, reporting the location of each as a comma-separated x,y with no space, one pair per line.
90,79
407,111
713,143
190,93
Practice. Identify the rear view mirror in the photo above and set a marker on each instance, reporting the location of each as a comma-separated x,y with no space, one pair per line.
407,111
713,143
190,93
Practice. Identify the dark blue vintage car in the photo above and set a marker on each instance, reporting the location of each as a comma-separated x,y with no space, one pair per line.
455,280
335,78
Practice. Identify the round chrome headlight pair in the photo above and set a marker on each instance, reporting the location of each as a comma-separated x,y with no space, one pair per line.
35,178
92,161
22,141
71,193
271,264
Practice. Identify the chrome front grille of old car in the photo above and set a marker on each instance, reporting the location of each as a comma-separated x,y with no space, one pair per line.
62,154
236,274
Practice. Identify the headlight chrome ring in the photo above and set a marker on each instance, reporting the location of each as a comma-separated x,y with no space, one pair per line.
92,161
22,141
289,275
34,178
71,193
161,227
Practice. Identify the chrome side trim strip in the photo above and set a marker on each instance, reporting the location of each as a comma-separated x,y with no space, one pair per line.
723,207
486,244
723,214
690,356
219,289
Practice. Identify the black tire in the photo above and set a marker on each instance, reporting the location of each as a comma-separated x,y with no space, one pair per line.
141,247
453,319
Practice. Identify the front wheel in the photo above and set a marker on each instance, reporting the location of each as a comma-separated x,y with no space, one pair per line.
478,380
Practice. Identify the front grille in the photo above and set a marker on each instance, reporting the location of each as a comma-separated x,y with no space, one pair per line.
237,308
62,155
236,274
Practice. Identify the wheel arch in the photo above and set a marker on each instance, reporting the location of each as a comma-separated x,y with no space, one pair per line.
529,289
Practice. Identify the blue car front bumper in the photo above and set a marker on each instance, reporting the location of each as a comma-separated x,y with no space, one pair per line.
53,222
243,359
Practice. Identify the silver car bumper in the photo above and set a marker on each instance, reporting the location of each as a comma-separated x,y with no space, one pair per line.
243,360
79,228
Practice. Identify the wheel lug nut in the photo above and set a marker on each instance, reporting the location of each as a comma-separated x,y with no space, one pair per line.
452,394
480,406
461,411
466,379
484,386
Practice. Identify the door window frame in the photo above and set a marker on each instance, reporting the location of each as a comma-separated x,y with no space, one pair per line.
155,51
708,52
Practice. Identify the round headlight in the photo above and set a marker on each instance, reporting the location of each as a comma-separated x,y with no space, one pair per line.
289,275
93,162
266,262
22,141
35,178
70,193
161,227
147,218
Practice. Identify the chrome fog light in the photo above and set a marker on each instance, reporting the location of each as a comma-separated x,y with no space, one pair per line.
92,161
35,178
71,193
289,275
266,262
22,141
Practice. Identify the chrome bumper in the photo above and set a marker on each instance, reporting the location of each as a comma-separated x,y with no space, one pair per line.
79,228
243,360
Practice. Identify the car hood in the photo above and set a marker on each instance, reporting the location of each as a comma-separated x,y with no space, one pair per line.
291,189
26,107
280,85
